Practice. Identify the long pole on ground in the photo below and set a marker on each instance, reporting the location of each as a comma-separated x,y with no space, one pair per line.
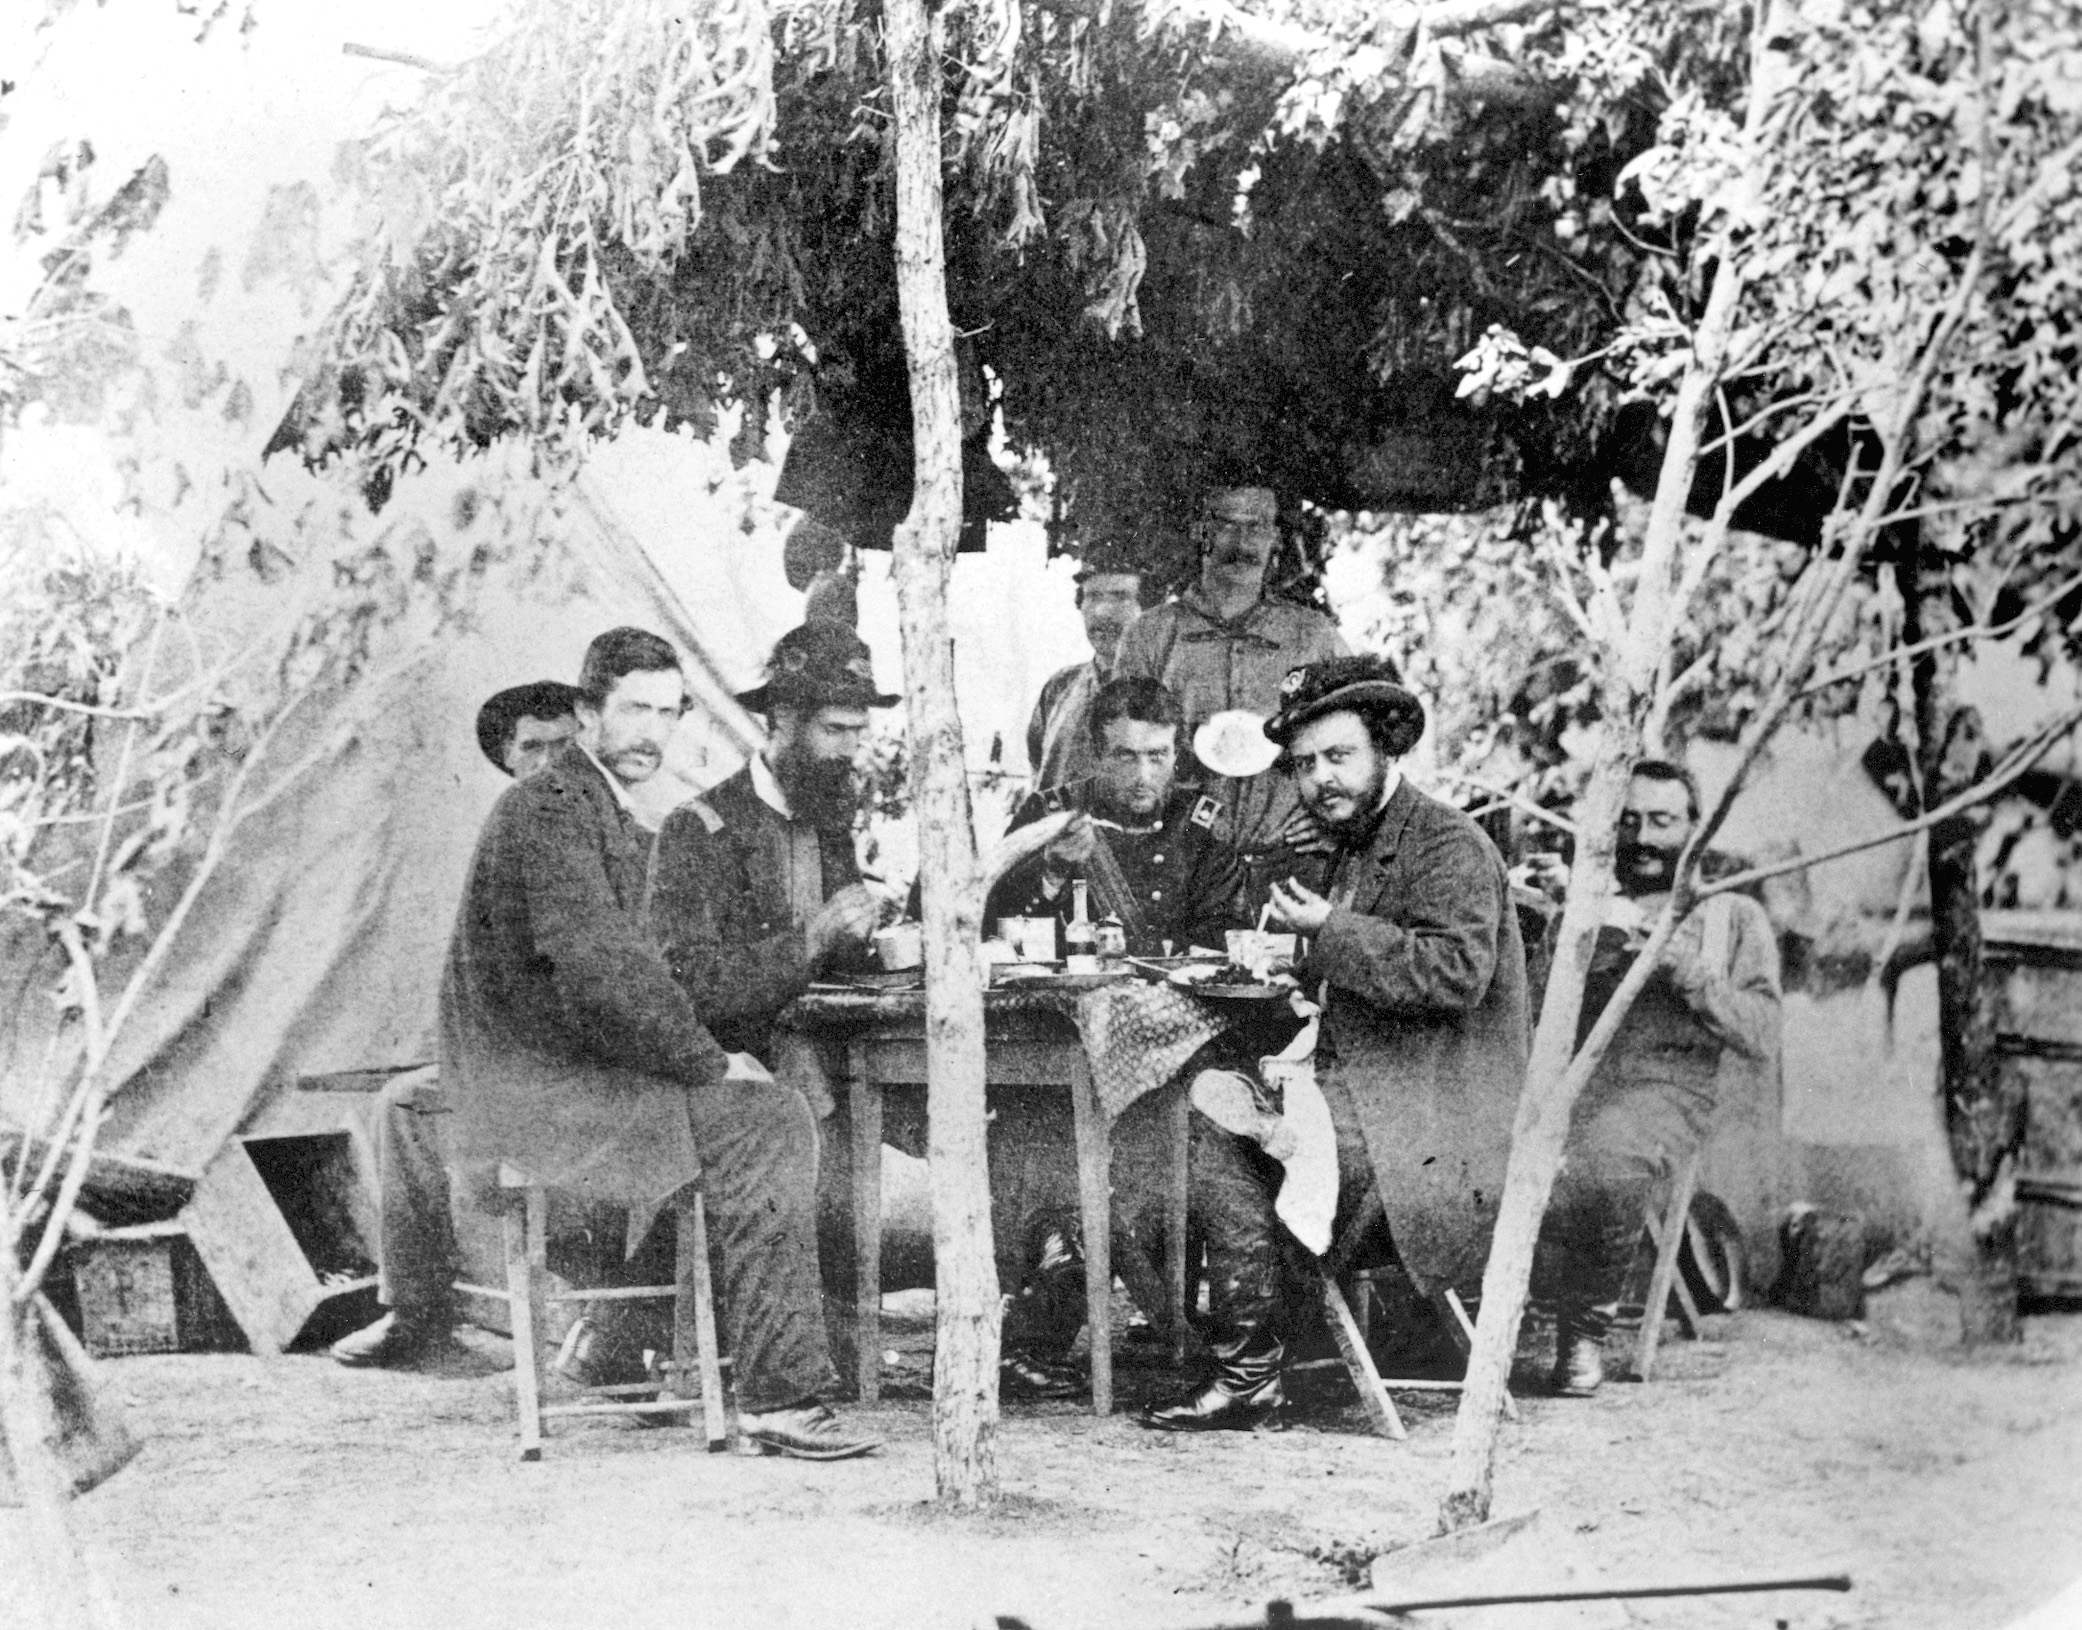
965,1348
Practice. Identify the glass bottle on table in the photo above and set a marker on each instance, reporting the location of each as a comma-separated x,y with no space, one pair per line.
1080,938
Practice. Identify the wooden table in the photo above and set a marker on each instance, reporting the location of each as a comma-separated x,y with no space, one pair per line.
1030,1044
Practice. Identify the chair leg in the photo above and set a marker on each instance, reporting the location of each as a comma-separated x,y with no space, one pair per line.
1359,1364
1669,1238
694,1314
518,1225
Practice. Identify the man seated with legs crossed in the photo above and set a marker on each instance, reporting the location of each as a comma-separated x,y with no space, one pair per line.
519,730
1415,954
1651,1102
570,1052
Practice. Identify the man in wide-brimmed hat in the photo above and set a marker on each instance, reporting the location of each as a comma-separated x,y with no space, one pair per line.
519,729
759,890
1414,947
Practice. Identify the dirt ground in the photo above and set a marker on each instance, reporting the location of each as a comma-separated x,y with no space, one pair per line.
291,1492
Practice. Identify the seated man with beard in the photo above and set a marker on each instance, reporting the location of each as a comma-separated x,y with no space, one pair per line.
1414,947
759,892
1651,1101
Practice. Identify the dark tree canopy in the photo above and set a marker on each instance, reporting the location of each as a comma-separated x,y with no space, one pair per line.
1169,258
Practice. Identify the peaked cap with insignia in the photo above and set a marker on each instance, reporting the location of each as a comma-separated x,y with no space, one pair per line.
1369,685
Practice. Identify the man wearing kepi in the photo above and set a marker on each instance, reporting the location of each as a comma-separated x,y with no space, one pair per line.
1414,947
519,729
1059,740
1224,644
571,1052
1651,1103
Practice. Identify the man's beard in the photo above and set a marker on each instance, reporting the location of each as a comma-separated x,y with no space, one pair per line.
1642,868
1365,806
820,791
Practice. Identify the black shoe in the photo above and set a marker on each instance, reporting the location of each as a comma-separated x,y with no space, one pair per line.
394,1341
806,1432
1220,1406
1030,1379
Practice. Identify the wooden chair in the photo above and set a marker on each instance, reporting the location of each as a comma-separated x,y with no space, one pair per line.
1665,1281
1350,1329
684,1387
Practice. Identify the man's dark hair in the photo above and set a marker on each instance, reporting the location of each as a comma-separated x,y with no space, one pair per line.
622,651
1661,769
1146,701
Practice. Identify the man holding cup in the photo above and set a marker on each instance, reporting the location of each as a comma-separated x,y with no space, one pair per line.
759,891
1414,945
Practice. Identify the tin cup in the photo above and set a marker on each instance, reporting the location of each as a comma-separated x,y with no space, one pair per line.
899,947
1032,938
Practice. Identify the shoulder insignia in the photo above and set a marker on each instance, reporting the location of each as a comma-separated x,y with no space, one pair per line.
1206,812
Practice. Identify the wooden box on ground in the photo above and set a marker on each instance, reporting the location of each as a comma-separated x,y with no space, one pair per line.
285,1226
144,1290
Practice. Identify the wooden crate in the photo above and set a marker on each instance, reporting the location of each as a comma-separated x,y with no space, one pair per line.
285,1225
143,1289
2034,964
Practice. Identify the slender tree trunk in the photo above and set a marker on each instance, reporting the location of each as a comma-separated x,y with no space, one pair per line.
1983,1123
28,1437
965,1355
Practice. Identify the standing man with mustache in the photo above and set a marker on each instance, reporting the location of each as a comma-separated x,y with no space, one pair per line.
1652,1101
1414,946
1059,742
1225,644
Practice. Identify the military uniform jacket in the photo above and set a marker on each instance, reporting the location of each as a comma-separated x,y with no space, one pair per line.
1424,1026
737,882
1185,881
1213,665
566,1044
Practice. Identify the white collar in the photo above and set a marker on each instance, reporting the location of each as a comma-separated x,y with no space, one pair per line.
1390,787
768,786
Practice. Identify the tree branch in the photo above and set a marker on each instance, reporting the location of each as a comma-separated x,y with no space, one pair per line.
1974,631
2020,760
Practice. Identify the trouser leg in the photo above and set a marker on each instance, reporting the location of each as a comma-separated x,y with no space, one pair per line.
417,1251
759,1153
1231,1184
1592,1226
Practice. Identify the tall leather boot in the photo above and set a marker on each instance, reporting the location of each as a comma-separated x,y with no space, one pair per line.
1245,1391
1042,1322
1579,1357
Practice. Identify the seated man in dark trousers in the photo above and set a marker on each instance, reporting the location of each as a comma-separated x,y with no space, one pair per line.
759,892
519,730
569,1050
1147,850
1651,1103
1414,948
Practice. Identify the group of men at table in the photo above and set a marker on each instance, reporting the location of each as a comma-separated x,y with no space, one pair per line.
613,1008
